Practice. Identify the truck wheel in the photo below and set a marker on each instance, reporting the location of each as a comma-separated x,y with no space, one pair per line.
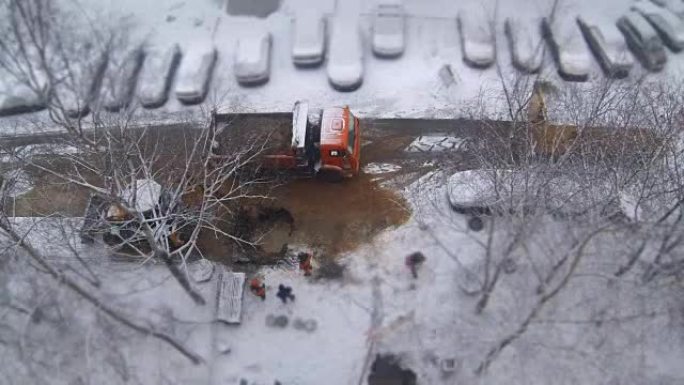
330,176
475,223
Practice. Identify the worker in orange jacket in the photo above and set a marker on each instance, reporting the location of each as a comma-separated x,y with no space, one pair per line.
258,288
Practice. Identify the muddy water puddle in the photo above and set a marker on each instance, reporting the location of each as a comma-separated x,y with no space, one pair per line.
331,218
336,217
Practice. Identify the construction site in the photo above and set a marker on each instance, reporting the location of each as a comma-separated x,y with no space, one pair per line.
244,193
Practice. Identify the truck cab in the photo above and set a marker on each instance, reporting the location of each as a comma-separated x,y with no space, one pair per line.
340,144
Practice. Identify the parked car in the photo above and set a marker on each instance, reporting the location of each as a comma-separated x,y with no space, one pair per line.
120,80
670,27
345,65
674,6
488,192
642,39
157,74
567,49
308,39
477,40
525,44
608,46
389,30
194,74
18,98
81,84
252,64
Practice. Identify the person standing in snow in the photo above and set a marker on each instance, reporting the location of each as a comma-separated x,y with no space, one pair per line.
285,292
258,288
414,261
305,263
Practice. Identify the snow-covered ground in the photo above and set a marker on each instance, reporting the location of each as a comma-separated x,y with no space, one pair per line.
597,331
408,86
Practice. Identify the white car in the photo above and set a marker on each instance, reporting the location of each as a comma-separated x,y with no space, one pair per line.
669,26
568,49
308,39
345,65
525,44
194,74
477,40
120,79
252,63
608,45
389,30
157,74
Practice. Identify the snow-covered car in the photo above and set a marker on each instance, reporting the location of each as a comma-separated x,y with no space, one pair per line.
568,49
17,98
252,63
194,74
157,74
308,38
477,40
674,6
389,30
345,65
642,39
120,79
483,192
670,27
608,45
81,84
525,44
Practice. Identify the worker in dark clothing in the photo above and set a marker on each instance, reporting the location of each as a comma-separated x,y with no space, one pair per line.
285,292
305,263
258,288
414,261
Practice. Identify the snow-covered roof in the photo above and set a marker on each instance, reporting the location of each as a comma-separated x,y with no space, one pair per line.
144,194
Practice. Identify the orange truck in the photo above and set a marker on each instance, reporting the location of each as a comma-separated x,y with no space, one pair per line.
313,142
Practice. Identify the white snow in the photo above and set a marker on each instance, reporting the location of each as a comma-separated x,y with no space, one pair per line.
143,195
525,44
335,328
574,59
309,37
253,57
477,38
15,183
195,72
388,30
674,6
380,168
345,64
612,42
407,87
435,143
157,74
662,19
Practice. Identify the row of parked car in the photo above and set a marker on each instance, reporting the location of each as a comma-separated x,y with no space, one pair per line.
149,75
645,30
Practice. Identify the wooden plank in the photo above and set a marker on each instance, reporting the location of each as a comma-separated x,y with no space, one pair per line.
229,291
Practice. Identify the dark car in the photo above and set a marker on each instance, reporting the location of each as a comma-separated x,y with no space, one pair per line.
608,46
643,41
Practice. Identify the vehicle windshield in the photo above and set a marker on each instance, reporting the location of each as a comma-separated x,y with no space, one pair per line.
352,134
388,24
307,32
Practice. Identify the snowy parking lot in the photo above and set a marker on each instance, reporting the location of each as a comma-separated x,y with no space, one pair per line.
445,68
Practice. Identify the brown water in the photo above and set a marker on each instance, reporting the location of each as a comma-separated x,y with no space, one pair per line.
330,217
336,217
